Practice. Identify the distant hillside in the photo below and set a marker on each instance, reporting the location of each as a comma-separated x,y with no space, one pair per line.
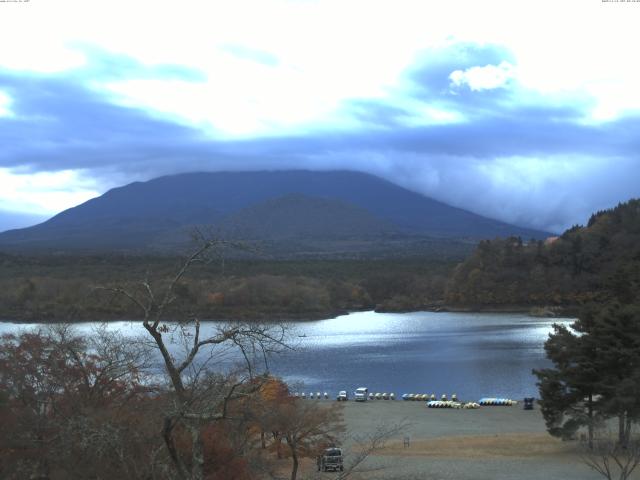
596,262
295,216
290,205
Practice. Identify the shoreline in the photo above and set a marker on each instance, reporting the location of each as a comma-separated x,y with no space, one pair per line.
533,311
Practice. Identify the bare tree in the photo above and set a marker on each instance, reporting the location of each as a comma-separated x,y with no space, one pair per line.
201,389
307,428
364,446
611,459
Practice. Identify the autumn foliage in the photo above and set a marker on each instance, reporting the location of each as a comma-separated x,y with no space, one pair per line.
585,264
77,407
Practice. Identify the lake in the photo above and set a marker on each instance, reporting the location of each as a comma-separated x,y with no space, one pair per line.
471,354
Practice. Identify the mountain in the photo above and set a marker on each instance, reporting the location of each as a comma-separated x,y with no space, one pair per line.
296,215
272,206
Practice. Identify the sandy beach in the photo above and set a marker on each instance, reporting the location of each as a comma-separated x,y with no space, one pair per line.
491,443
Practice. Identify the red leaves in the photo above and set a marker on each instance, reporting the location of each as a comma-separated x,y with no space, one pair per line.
61,398
229,464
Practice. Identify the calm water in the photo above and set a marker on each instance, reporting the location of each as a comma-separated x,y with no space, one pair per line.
473,355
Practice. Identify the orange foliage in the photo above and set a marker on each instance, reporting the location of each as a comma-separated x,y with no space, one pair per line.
274,390
215,298
229,464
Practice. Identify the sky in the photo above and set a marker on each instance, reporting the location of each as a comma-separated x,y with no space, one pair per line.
524,111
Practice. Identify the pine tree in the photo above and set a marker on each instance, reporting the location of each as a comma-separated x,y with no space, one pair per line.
596,372
569,392
615,329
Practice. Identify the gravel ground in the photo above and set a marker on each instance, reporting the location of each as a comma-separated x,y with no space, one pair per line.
492,443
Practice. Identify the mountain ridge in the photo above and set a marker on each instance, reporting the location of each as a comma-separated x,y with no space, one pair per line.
130,217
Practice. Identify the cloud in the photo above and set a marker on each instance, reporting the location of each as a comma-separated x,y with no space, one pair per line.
101,65
5,105
552,192
40,193
59,124
483,78
432,71
506,152
252,54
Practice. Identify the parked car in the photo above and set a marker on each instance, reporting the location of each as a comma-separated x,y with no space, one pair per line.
342,396
330,460
361,394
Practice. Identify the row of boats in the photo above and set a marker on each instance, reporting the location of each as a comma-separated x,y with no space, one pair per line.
500,402
317,395
483,402
425,397
431,399
382,396
452,404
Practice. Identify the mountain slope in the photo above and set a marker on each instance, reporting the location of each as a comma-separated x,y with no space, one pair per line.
597,262
297,215
132,217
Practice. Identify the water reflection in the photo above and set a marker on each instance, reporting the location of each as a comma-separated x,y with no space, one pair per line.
472,355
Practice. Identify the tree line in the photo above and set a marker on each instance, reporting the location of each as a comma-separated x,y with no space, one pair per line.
52,288
583,265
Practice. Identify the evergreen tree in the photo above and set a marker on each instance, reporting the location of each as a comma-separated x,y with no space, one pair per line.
615,329
569,391
596,372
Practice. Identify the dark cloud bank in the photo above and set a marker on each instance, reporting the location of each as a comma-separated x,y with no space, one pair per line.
481,164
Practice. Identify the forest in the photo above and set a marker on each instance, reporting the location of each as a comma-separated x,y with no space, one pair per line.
584,264
70,288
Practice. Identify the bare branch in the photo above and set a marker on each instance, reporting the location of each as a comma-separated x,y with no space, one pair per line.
369,445
201,396
608,457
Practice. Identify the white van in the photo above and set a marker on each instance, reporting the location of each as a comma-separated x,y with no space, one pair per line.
361,394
